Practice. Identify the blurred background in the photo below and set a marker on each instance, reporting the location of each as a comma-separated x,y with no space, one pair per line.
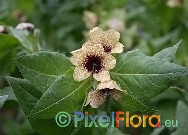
63,26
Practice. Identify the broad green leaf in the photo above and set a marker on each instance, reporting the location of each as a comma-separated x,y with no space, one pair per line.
168,54
42,68
91,130
7,53
28,96
2,100
64,94
182,117
145,77
131,104
50,127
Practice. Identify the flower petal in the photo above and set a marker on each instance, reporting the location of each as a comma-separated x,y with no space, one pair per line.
111,37
95,34
117,94
102,76
76,51
88,98
96,98
109,62
77,57
93,48
80,74
108,84
118,48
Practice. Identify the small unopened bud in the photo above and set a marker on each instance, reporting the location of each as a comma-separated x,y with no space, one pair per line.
19,15
25,26
90,19
174,3
116,24
3,30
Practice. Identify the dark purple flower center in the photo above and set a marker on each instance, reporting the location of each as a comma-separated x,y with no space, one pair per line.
105,92
107,48
93,63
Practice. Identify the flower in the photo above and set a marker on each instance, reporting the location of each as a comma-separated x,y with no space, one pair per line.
104,89
19,15
116,24
90,19
174,3
91,59
28,26
3,29
108,39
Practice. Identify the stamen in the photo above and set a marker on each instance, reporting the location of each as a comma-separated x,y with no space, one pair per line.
93,63
105,92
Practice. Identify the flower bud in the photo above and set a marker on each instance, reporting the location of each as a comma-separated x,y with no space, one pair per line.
116,24
90,19
3,30
174,3
19,15
25,26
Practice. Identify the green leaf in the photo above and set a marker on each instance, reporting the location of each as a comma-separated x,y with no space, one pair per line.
145,77
131,104
182,117
42,68
168,54
7,53
2,100
32,96
28,96
64,94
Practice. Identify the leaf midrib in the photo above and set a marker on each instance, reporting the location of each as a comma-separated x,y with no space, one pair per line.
148,74
56,101
54,76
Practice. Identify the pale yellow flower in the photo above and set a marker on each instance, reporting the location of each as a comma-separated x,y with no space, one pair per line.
108,39
91,59
104,89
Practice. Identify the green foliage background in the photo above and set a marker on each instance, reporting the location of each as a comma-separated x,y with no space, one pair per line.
149,25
